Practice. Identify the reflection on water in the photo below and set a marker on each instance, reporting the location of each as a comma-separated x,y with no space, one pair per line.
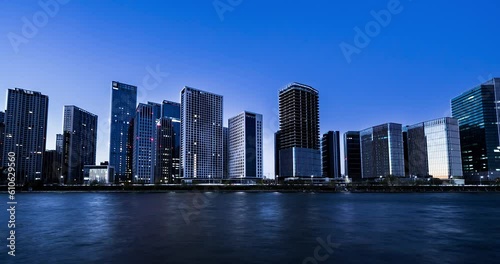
254,228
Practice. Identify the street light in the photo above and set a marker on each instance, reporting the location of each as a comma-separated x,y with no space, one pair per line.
312,179
481,180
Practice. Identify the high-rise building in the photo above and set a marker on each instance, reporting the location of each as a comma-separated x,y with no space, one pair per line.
434,149
382,151
123,106
405,147
277,147
59,156
245,146
300,154
26,132
80,127
201,135
144,148
225,150
478,114
164,150
2,134
330,151
352,153
172,110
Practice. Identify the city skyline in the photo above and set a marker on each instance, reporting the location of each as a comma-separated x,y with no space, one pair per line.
399,69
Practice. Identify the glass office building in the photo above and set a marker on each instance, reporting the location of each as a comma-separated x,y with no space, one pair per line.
382,151
352,153
245,146
80,144
201,135
299,154
123,106
172,111
478,114
434,149
330,151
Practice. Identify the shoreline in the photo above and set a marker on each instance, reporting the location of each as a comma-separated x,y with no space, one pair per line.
256,189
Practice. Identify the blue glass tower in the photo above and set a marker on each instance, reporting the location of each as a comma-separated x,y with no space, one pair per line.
123,106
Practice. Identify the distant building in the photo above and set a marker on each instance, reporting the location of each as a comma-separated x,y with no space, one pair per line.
2,134
164,150
245,146
352,153
405,147
434,149
330,150
299,154
144,148
225,139
98,174
172,110
26,133
51,167
277,147
382,151
201,135
80,127
123,106
478,114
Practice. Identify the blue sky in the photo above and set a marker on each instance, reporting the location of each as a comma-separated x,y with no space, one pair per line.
429,52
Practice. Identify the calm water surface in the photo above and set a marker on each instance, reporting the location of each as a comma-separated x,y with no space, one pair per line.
254,228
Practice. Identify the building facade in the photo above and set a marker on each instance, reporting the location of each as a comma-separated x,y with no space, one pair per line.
123,106
164,150
352,153
478,114
245,146
26,133
98,174
80,127
201,135
144,146
299,154
172,110
434,149
382,151
225,150
330,151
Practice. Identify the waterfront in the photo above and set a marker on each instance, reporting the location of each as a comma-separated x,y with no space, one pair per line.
242,227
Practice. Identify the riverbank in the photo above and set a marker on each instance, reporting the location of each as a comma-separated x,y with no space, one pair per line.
260,188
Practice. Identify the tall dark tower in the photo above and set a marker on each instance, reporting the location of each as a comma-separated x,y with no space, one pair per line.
330,151
299,153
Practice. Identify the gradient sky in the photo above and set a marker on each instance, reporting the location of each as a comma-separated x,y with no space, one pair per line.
429,52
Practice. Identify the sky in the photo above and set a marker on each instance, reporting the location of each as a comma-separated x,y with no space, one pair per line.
372,61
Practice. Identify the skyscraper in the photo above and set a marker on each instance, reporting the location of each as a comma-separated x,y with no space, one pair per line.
123,106
352,153
299,154
277,147
478,113
80,127
330,151
245,146
382,151
164,150
434,149
144,148
225,150
26,132
2,134
50,168
201,134
172,110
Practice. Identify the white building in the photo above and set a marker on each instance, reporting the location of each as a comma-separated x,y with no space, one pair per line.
245,146
201,135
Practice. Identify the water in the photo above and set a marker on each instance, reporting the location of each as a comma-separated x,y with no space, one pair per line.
254,228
